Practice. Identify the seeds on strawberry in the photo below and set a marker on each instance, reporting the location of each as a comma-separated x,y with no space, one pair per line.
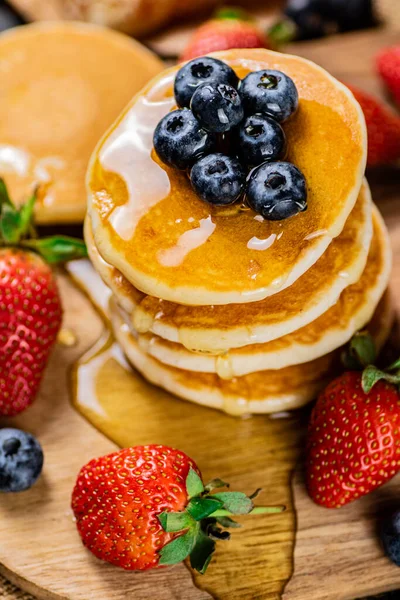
117,498
353,443
30,317
146,507
30,306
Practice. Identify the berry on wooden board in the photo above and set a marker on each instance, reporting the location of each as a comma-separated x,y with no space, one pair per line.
390,536
21,460
146,507
30,306
353,443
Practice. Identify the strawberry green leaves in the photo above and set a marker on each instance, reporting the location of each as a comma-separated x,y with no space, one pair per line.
194,484
173,522
201,508
236,503
360,352
202,552
57,249
202,520
371,375
179,549
17,229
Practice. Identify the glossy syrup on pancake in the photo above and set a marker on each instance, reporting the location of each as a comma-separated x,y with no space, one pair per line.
331,330
216,328
260,392
149,223
62,85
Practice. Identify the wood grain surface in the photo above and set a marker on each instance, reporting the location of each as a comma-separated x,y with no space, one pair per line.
336,555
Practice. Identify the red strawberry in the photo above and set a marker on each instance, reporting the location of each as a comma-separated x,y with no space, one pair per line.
30,307
388,63
146,507
230,28
30,317
353,443
383,128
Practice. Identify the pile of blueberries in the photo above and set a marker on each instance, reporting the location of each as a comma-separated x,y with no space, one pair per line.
227,135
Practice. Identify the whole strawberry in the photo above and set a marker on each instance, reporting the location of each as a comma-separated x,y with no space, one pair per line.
383,128
353,443
231,28
30,307
388,64
146,507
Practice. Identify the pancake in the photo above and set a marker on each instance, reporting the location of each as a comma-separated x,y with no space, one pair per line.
217,329
262,392
62,85
149,224
333,329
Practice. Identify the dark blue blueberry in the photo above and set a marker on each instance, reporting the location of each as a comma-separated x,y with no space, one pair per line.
8,17
198,71
309,17
261,139
277,191
218,179
270,92
390,535
217,107
179,139
21,460
315,18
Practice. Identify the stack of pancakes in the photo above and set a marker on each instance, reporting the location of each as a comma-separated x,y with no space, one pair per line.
217,305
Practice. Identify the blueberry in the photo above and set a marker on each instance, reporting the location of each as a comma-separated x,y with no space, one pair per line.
310,18
390,535
218,179
179,139
217,107
277,191
315,18
270,92
21,460
198,71
8,17
261,139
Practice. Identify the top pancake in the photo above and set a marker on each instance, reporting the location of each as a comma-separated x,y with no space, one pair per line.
148,222
62,85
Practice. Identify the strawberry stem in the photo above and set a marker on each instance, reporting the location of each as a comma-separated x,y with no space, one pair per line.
282,32
257,510
17,229
233,13
200,523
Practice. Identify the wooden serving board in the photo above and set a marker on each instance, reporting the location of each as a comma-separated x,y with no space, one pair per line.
307,553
